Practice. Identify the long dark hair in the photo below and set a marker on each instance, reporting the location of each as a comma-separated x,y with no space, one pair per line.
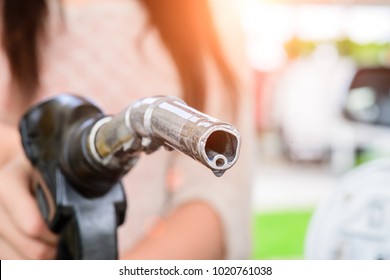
185,27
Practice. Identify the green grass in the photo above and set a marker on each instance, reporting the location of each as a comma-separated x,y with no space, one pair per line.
280,235
370,155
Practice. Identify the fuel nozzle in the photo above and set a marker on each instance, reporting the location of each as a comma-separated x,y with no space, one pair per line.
167,121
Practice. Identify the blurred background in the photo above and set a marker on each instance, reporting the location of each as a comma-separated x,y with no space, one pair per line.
322,107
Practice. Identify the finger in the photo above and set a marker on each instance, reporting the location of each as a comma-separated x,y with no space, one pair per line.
8,253
20,205
25,246
10,143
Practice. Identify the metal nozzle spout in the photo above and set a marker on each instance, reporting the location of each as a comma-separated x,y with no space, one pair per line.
167,121
220,150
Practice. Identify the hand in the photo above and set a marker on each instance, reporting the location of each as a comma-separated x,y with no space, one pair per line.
23,232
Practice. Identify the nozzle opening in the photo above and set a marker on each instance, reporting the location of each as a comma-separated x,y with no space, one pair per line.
219,162
221,143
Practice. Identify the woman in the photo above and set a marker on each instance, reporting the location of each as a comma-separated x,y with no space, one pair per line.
116,52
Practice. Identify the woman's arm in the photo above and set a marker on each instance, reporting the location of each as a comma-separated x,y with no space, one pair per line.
10,144
192,231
